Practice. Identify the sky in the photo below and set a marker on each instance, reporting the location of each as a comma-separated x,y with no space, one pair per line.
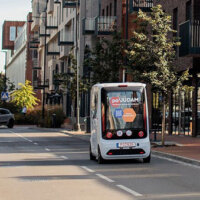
12,10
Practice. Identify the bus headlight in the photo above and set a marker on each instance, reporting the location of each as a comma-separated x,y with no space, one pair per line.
129,133
119,133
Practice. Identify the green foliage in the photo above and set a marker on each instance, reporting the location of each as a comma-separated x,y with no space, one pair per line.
10,106
69,80
106,59
24,97
9,85
152,55
34,117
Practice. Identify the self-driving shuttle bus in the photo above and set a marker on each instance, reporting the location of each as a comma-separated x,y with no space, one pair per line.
119,122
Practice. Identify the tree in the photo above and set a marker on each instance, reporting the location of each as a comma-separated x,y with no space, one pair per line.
9,85
153,54
107,59
68,80
24,97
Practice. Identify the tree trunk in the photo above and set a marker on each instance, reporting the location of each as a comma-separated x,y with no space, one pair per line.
163,123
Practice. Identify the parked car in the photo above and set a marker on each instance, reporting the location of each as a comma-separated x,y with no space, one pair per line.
6,118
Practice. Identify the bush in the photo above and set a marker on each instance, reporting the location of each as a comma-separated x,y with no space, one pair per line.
10,106
34,117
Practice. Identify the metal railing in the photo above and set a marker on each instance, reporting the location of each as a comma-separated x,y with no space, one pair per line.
144,5
106,23
189,33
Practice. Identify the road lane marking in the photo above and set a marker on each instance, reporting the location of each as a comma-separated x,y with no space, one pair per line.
129,191
105,178
35,143
47,149
21,136
87,169
177,161
64,157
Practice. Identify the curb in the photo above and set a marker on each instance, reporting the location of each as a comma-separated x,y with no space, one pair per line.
86,138
177,158
158,153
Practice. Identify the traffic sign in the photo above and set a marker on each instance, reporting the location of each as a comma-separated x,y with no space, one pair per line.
4,96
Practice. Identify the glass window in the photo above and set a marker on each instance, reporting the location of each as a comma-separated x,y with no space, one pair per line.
4,112
122,109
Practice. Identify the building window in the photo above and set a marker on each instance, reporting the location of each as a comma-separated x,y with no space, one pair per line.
188,10
175,19
115,7
107,10
62,67
103,12
110,9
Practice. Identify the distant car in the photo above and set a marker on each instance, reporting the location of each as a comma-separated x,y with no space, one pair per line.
6,118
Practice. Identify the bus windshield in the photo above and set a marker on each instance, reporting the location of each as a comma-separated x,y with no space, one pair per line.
123,109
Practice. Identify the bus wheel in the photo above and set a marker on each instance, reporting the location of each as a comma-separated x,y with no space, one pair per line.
147,160
91,155
100,160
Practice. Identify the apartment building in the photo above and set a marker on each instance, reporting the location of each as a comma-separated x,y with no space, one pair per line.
17,38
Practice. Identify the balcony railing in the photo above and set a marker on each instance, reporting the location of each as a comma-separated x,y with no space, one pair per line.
70,3
65,38
53,49
89,25
106,25
189,33
144,5
40,84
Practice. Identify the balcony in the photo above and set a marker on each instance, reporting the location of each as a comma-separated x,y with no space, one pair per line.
144,5
65,38
34,41
35,64
50,6
64,52
106,25
89,26
38,85
70,3
53,49
189,33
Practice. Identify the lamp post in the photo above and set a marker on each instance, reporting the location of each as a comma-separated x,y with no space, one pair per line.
126,37
76,49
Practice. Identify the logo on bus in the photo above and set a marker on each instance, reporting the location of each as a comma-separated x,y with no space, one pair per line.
115,102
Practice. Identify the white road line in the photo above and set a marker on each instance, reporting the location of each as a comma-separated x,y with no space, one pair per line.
64,157
21,136
87,169
35,143
47,149
177,161
105,178
129,191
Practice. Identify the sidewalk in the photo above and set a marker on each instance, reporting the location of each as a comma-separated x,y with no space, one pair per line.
181,148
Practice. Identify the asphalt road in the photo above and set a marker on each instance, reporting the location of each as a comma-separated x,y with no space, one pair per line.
44,165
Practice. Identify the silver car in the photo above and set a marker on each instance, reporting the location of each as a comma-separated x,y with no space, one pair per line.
6,118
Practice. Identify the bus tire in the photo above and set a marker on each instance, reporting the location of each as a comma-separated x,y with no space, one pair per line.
147,159
92,157
100,160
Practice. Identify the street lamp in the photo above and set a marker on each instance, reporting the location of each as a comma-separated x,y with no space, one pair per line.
76,49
